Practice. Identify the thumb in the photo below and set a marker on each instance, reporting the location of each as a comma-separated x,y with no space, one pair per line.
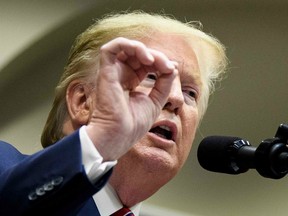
160,92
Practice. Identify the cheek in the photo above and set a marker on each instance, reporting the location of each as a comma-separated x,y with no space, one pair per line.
189,126
190,121
185,148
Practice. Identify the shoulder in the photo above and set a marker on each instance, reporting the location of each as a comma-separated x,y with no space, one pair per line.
9,155
7,148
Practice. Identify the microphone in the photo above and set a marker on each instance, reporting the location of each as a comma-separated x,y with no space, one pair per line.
234,155
231,155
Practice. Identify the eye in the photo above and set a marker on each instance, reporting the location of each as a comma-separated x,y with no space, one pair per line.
190,96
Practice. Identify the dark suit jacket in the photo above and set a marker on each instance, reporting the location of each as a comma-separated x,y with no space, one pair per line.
50,182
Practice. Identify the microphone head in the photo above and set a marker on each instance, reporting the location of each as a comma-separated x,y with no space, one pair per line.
217,154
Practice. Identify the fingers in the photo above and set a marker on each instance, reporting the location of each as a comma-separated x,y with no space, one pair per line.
166,71
161,62
160,92
123,49
138,57
136,54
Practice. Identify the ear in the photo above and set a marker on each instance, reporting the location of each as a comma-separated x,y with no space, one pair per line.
78,106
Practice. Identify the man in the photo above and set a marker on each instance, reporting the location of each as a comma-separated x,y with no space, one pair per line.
123,120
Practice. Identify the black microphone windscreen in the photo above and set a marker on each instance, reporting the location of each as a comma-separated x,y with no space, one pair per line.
213,154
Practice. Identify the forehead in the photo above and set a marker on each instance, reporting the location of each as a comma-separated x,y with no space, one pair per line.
177,48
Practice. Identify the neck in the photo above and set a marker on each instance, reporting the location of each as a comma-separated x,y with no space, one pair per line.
131,192
137,186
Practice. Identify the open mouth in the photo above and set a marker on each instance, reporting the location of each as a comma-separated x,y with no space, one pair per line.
165,130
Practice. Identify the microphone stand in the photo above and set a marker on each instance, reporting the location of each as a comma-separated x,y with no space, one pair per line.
271,156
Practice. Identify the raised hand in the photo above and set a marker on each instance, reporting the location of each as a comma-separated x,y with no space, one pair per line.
121,116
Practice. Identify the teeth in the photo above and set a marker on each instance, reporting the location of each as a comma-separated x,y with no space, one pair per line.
165,128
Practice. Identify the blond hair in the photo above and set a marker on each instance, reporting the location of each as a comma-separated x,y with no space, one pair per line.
137,25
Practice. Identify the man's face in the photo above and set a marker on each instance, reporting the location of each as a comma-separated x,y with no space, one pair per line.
166,146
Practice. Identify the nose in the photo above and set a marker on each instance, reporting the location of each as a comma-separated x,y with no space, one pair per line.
175,98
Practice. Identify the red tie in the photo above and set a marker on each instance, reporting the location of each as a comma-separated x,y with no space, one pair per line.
123,212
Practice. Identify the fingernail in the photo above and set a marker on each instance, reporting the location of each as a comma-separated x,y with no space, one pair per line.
150,57
170,65
175,63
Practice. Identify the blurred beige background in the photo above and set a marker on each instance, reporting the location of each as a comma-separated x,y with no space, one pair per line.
35,37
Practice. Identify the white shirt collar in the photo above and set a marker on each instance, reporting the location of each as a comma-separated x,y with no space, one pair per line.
108,202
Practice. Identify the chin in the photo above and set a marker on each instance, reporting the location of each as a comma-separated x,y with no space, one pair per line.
155,160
